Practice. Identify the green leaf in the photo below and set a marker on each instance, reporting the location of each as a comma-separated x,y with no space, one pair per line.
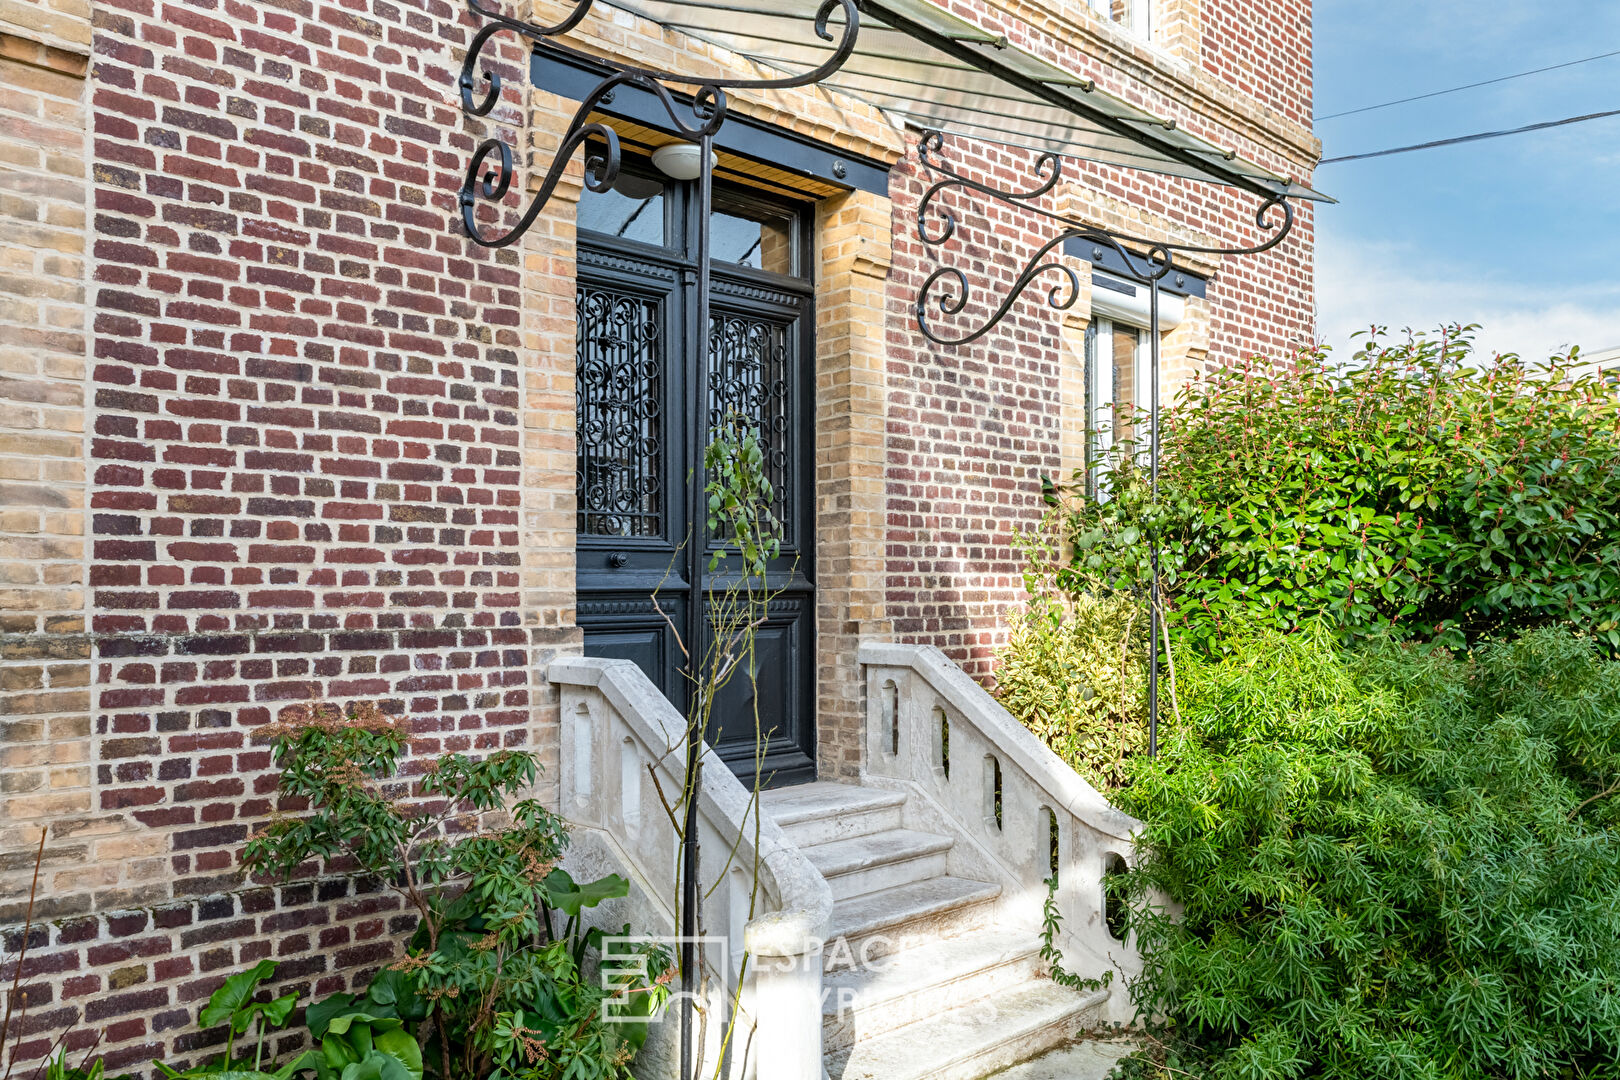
570,898
277,1010
402,1047
338,1052
341,1024
305,1061
395,992
379,1066
233,1001
319,1014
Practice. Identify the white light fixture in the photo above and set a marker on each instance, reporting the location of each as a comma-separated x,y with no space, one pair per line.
680,161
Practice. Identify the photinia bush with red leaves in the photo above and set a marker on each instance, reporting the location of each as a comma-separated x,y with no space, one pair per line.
1418,489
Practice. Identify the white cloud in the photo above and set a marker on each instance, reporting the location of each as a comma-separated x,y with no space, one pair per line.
1395,285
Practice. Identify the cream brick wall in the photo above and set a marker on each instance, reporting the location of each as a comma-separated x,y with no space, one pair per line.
62,25
1072,385
853,242
549,335
45,739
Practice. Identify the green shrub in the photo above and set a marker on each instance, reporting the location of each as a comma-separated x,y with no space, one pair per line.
1072,666
238,1006
501,978
1417,491
1394,863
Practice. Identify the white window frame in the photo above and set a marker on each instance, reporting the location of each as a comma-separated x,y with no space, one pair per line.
1138,20
1100,394
1115,303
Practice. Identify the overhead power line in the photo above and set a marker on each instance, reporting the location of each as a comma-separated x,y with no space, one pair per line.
1466,86
1543,126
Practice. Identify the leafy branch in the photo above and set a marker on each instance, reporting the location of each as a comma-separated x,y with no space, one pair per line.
494,986
741,521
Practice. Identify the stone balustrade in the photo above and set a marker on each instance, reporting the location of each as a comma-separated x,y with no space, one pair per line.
1018,812
765,909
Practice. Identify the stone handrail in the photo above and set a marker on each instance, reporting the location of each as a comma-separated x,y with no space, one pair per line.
618,733
935,732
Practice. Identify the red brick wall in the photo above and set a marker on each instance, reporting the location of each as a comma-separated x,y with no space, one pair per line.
307,470
305,475
972,429
129,982
1263,49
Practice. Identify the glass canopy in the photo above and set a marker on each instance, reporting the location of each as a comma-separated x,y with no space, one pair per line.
928,67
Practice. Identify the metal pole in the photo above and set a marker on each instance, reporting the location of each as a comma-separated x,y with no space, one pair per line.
1153,466
697,733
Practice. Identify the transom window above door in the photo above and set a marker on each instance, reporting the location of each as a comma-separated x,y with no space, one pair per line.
755,236
634,208
744,231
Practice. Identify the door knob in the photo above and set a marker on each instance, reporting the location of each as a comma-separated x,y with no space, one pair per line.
618,559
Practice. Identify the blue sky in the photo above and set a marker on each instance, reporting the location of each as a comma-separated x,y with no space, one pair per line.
1520,234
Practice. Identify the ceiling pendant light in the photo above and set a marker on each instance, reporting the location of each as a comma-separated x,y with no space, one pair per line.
680,161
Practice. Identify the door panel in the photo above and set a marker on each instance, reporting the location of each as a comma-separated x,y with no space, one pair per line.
643,427
626,625
783,678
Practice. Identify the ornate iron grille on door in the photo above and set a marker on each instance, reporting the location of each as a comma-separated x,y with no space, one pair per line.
749,376
618,404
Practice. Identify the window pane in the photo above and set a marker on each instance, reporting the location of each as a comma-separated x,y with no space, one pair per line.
1132,15
749,237
632,209
1127,394
1117,389
751,380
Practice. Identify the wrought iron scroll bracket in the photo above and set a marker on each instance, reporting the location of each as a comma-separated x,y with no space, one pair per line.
947,291
491,171
1148,265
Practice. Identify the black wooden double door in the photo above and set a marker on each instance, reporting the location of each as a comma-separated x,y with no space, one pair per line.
644,416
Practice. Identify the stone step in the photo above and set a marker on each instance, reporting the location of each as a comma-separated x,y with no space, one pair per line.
972,1040
925,980
1088,1059
878,925
823,812
863,865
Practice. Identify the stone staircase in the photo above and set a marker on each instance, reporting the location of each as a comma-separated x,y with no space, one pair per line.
921,983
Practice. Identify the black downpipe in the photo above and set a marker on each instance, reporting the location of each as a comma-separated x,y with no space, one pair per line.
1153,466
697,728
